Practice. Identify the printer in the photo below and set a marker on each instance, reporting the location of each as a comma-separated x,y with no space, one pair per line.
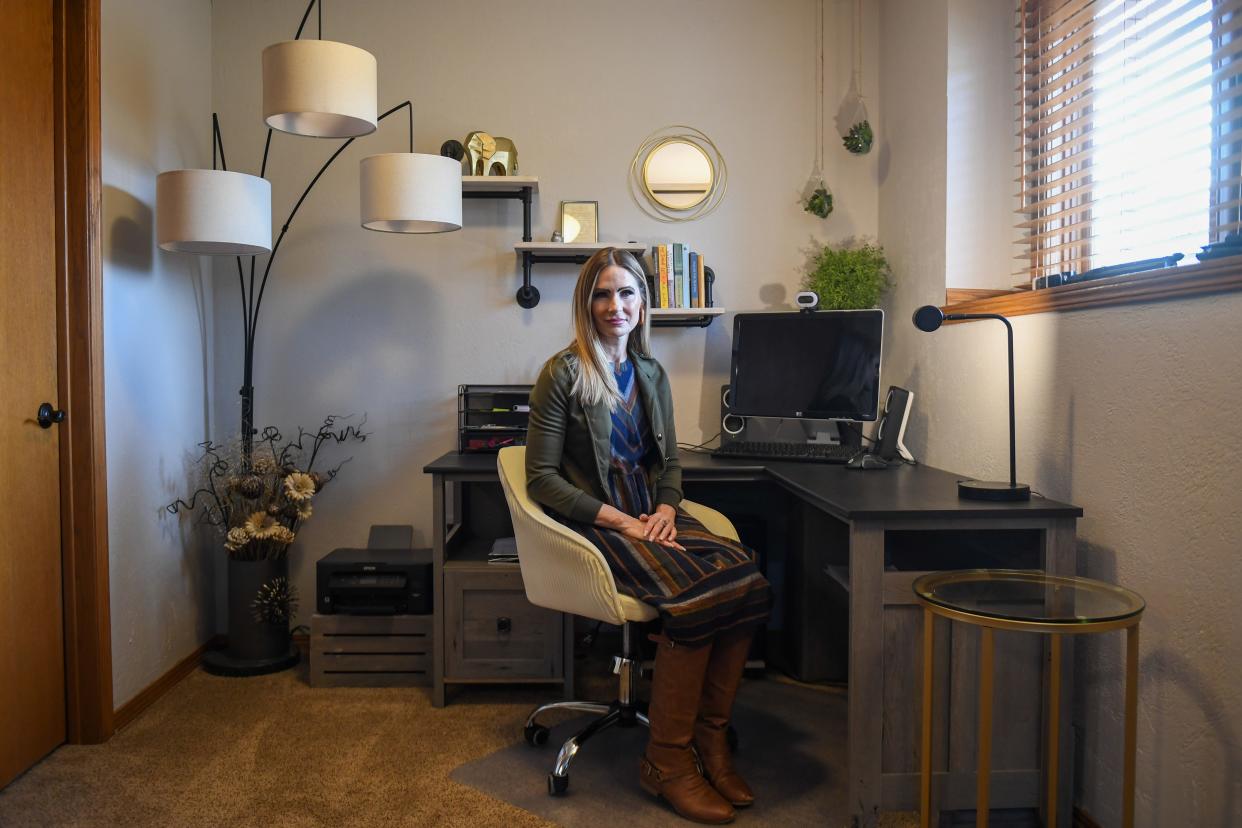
392,579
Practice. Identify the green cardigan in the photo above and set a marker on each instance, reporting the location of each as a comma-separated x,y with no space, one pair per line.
568,450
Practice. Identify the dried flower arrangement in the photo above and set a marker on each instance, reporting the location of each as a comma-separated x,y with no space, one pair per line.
257,502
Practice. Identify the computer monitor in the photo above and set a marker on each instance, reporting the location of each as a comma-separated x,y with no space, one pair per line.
822,365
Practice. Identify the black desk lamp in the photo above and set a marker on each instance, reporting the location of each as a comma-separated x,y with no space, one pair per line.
929,318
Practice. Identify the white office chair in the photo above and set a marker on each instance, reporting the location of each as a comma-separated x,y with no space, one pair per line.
563,571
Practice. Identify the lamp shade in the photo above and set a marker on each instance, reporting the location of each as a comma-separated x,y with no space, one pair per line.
411,192
319,88
213,212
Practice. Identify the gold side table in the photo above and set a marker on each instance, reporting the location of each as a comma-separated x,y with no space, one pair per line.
1030,601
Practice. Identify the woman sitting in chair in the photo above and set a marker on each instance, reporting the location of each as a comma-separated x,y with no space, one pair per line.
601,455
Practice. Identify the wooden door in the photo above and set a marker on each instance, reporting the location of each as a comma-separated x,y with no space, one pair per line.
32,652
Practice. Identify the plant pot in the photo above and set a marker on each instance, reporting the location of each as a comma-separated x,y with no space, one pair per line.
255,646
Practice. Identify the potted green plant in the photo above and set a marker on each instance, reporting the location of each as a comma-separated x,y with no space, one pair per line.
848,276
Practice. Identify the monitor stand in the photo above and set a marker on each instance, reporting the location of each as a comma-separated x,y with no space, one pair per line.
831,432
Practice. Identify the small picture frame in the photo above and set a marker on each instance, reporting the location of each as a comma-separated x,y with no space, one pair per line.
580,221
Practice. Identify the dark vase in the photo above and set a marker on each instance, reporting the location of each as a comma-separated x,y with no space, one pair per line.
255,646
248,638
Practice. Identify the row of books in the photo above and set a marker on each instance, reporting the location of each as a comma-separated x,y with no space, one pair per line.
678,278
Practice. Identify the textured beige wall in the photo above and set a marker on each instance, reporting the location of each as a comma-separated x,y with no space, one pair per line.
980,197
390,325
156,98
1130,412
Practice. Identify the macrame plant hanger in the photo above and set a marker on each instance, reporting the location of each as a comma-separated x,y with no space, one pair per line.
858,136
816,197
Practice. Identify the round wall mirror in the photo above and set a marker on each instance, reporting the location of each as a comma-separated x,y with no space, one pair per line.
678,174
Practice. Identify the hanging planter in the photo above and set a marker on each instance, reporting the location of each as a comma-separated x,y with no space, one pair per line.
816,196
858,136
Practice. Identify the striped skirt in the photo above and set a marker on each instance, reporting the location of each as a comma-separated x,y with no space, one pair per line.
715,585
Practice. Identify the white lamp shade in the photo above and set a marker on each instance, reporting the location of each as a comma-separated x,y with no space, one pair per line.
319,88
411,192
213,212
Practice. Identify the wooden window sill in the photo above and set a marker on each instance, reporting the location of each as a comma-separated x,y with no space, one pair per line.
1213,276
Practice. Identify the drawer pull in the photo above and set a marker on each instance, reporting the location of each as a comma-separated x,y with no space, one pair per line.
504,624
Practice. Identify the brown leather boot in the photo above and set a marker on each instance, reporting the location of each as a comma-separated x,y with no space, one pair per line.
669,768
724,674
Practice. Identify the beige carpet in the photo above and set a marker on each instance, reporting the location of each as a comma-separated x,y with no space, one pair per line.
273,751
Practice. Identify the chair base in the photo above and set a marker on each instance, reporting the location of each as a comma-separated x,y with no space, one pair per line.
626,711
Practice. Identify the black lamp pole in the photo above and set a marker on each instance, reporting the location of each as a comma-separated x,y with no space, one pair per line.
929,318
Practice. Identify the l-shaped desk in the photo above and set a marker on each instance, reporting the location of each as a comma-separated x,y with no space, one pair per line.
873,532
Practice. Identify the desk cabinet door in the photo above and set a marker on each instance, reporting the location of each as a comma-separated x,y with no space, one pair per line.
493,632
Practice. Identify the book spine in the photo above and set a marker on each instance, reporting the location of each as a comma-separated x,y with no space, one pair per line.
662,276
653,276
679,274
693,279
702,281
686,276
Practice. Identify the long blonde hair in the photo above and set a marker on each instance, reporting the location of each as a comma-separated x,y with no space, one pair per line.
595,382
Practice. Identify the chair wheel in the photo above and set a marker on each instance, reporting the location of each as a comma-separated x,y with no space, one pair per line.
557,785
536,735
731,736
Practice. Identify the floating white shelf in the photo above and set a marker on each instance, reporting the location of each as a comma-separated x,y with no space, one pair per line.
498,183
684,317
574,248
683,313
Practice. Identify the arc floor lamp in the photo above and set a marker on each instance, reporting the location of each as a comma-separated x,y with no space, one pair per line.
316,88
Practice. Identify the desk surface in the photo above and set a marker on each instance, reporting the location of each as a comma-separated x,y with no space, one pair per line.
913,492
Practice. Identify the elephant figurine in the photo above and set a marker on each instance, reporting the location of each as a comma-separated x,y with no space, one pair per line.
486,155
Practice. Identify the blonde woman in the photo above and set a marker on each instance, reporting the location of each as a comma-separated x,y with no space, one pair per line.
601,455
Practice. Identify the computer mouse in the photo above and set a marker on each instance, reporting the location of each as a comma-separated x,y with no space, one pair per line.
862,460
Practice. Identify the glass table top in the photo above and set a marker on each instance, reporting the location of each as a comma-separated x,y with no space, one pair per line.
1028,595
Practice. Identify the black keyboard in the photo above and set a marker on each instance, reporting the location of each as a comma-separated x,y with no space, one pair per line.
806,452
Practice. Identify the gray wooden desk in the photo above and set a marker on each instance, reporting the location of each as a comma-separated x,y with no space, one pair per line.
895,524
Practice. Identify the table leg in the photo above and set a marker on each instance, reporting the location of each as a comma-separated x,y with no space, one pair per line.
1054,726
1127,787
929,649
866,685
984,772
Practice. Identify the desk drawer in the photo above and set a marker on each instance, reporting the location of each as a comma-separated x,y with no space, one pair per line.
493,632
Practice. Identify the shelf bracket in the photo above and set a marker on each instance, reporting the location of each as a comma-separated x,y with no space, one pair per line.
527,294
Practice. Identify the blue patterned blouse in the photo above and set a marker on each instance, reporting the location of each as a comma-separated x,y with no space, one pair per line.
629,483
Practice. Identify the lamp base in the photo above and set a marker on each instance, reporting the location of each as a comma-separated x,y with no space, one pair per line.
992,490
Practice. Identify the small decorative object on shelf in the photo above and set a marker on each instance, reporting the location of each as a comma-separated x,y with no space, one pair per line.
452,148
580,221
486,155
557,236
849,276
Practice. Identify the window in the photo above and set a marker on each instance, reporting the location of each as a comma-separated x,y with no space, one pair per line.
1130,131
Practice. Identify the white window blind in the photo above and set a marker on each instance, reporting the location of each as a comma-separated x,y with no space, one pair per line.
1130,131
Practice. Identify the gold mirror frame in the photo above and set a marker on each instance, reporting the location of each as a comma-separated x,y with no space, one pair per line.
649,202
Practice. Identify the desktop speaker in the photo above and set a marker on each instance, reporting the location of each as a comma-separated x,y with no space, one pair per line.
891,432
732,426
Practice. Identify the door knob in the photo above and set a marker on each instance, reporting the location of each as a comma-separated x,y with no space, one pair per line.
48,415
